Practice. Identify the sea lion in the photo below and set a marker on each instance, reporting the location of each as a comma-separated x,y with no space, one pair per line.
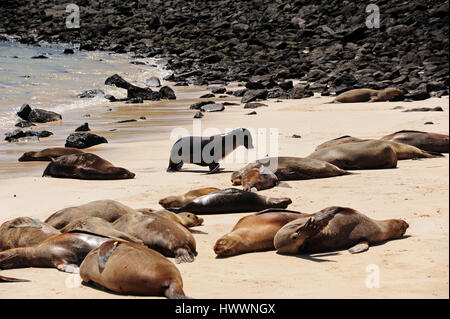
430,142
259,178
48,154
186,219
368,95
100,226
64,252
181,200
85,166
372,154
403,151
159,233
291,168
335,228
132,269
207,150
232,200
23,232
109,210
255,232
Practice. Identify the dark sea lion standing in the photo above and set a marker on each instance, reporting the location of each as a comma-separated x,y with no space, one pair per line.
336,228
291,168
232,200
255,232
85,166
368,95
109,210
372,154
64,252
132,269
23,232
430,142
100,226
181,200
159,233
48,154
403,151
207,150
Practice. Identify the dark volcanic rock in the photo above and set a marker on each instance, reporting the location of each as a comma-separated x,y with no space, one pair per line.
218,90
110,98
41,56
117,80
253,105
426,109
16,135
83,128
166,93
68,51
198,105
43,116
24,112
90,94
143,93
207,96
300,91
251,113
84,140
23,124
198,115
253,95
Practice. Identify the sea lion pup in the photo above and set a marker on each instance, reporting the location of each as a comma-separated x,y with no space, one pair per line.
10,279
132,269
372,154
207,150
100,226
109,210
85,166
291,168
232,200
64,252
181,200
430,142
255,232
259,178
48,154
336,228
368,95
23,232
159,233
404,151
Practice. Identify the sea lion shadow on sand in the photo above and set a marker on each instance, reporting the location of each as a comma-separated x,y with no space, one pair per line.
317,257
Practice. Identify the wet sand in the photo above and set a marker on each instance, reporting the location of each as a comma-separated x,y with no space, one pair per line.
412,267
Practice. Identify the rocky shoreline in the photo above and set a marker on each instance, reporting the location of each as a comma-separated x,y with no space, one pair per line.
325,43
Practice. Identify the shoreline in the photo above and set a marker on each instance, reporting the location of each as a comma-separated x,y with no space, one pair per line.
416,190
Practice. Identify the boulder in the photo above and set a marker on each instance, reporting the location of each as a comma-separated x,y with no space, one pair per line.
84,140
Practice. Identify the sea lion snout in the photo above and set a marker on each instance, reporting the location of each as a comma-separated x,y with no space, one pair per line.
25,157
282,202
224,247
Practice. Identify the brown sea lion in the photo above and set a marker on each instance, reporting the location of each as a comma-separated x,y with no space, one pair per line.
185,219
132,269
181,200
100,226
372,154
48,154
232,200
160,233
207,150
368,95
259,178
85,166
430,142
64,252
255,232
404,151
336,228
23,232
291,168
109,210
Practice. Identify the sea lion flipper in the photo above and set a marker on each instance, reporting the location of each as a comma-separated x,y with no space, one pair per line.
175,292
359,248
182,255
70,268
318,222
104,252
10,279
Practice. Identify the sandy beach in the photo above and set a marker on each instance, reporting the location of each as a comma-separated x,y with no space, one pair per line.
412,267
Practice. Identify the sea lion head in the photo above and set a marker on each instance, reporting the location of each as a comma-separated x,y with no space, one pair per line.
260,178
27,156
236,178
226,246
171,202
398,227
191,220
286,241
122,173
282,202
393,92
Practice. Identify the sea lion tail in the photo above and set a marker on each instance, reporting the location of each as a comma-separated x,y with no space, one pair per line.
434,154
10,279
182,255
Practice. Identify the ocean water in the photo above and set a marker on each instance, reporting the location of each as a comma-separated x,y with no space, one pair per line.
53,84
